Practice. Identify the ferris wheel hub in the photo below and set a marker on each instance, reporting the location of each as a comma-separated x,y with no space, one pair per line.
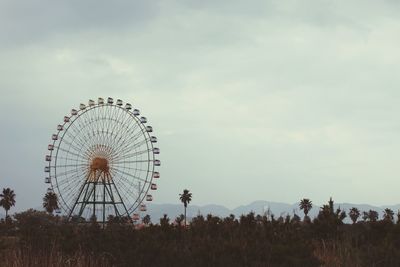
99,164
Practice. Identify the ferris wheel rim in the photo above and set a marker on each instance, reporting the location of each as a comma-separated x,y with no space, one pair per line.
58,140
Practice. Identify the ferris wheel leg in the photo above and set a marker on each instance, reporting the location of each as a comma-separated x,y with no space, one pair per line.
77,199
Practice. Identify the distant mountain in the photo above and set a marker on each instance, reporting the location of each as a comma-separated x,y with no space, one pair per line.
156,211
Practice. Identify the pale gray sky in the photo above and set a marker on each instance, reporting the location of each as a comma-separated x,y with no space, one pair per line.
272,100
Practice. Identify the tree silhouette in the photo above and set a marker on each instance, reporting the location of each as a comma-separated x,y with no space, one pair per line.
354,214
388,215
185,198
305,205
370,215
50,202
7,199
146,219
398,217
164,221
179,219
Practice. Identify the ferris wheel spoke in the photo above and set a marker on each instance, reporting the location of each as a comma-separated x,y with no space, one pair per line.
125,130
75,136
108,122
131,175
72,175
132,145
90,121
125,121
127,156
68,172
69,165
124,142
87,135
137,169
99,130
126,188
67,151
139,191
83,128
70,159
75,148
118,178
114,125
131,161
66,186
133,136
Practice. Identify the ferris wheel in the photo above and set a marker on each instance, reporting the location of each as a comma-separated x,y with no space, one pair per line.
102,161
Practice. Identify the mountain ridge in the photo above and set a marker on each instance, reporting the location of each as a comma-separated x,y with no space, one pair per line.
156,211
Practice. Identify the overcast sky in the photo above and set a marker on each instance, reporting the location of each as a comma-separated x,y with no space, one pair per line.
250,100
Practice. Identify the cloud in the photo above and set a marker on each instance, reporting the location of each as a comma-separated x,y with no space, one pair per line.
292,96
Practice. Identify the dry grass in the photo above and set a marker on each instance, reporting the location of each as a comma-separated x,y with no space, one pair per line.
335,254
28,258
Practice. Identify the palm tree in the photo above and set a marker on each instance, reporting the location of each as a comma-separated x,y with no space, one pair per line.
7,199
50,202
370,215
305,205
185,198
373,215
354,214
388,215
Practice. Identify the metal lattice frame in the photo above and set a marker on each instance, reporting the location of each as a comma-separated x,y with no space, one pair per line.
102,161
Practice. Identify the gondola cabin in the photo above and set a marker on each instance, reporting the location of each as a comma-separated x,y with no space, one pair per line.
128,106
136,112
47,180
156,150
48,158
110,100
66,119
149,198
50,147
143,119
49,190
100,101
143,207
54,137
135,217
60,127
119,102
74,112
153,187
153,139
157,162
47,169
149,129
82,106
156,175
91,103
